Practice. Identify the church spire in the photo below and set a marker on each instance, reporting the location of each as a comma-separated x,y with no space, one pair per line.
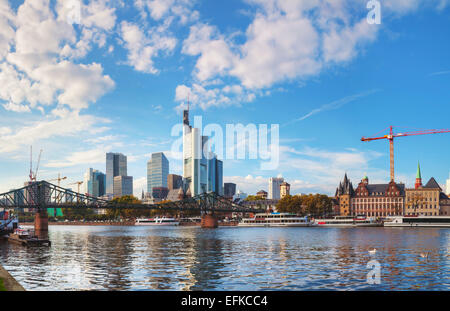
418,177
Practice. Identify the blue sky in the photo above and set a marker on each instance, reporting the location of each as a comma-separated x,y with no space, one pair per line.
115,80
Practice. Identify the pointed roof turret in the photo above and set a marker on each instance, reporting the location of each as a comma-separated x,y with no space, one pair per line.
418,174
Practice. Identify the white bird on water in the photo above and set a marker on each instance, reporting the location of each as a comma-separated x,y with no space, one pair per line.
424,255
373,251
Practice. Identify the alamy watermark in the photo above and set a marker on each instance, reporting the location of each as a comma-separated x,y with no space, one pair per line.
374,15
374,275
236,142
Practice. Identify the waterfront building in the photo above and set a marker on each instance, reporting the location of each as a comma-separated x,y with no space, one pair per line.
157,171
262,194
229,190
174,181
285,189
274,187
116,165
215,174
423,200
372,200
94,183
123,185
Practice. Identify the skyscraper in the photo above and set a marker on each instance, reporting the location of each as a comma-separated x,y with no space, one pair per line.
229,190
116,165
174,181
215,174
123,185
157,171
94,183
195,164
274,187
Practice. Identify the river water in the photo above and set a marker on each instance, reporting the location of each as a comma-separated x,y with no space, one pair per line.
191,258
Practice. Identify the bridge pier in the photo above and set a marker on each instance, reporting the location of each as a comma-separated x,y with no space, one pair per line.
41,221
209,221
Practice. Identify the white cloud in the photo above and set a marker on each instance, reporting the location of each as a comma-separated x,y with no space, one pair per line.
62,123
168,9
87,158
143,48
16,107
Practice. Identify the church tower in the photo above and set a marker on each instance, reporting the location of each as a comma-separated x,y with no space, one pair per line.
418,178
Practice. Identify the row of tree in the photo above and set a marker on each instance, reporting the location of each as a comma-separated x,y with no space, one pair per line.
311,204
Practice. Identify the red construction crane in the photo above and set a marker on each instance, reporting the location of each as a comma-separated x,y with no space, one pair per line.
391,137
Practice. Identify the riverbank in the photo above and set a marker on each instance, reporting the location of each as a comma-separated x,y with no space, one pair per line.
84,223
7,282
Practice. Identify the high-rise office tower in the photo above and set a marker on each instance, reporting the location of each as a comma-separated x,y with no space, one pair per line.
274,187
116,165
215,174
195,164
157,171
174,181
229,189
123,185
94,183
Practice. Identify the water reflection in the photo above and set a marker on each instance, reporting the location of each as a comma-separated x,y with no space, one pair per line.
191,258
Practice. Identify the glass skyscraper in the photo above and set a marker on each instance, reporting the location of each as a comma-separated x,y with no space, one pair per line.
215,174
157,171
94,183
116,165
199,173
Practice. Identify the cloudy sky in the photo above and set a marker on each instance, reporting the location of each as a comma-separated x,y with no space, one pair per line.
81,78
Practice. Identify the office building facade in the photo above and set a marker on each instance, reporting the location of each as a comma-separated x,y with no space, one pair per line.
157,171
195,164
274,187
116,165
229,190
215,174
94,183
123,185
174,181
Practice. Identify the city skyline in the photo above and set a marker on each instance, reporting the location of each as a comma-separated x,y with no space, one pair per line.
118,84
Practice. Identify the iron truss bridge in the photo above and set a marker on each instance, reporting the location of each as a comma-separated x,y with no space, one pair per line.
42,194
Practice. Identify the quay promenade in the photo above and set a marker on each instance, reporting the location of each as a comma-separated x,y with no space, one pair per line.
7,282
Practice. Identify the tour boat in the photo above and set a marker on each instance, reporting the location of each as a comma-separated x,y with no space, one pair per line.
27,237
417,221
347,221
7,223
158,221
275,220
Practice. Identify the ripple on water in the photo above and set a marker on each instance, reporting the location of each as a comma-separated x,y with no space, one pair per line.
191,258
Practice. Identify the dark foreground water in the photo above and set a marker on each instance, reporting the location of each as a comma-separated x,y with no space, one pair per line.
191,258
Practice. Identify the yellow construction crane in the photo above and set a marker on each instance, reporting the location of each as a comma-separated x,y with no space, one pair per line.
59,179
79,183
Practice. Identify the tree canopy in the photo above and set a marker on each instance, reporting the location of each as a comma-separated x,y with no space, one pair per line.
314,205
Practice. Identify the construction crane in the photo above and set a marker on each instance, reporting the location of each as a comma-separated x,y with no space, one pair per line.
59,179
391,137
34,174
79,183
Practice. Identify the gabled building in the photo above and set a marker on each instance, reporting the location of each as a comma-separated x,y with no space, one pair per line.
372,200
424,200
343,194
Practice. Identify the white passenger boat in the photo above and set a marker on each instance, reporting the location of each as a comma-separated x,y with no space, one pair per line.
157,221
417,221
275,220
347,221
